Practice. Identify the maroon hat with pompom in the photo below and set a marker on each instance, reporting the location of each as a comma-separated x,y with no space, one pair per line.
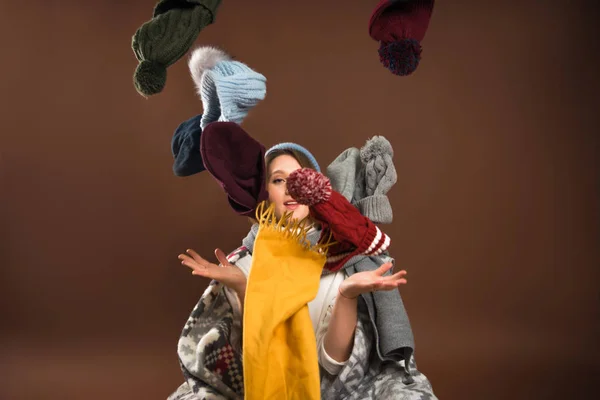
354,233
400,26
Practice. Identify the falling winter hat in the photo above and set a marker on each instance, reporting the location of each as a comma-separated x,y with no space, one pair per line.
164,39
228,89
236,161
400,26
185,146
375,179
229,100
353,233
165,5
365,176
296,147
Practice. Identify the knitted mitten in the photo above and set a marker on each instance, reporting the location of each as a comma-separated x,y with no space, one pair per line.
354,233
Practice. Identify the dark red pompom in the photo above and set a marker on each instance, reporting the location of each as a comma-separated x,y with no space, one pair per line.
402,57
308,186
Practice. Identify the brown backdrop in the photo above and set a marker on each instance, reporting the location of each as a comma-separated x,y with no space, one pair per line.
496,205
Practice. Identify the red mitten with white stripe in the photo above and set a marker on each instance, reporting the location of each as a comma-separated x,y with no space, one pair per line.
354,233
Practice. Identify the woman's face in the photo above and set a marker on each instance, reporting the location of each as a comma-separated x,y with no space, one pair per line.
279,169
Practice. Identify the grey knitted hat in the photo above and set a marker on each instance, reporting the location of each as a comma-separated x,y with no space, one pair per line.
364,177
379,177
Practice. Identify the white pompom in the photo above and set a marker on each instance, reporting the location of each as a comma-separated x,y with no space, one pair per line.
203,58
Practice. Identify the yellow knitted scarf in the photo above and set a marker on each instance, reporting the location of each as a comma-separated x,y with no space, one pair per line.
279,346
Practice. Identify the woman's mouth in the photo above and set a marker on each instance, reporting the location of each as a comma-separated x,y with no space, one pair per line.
291,205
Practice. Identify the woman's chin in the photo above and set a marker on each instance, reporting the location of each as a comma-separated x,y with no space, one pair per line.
300,212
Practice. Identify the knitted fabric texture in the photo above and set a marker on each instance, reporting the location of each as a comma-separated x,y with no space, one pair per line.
185,146
236,161
343,170
164,39
353,233
375,180
294,146
400,26
209,349
365,176
279,356
228,89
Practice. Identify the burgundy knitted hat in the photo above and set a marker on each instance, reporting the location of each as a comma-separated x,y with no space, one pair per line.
354,233
400,26
236,161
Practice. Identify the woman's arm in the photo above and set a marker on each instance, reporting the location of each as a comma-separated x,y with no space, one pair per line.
339,337
228,274
241,294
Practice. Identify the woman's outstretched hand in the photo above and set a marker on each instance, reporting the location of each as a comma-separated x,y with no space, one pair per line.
226,273
371,281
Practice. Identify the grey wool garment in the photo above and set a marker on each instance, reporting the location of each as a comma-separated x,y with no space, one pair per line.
365,176
379,177
393,332
342,172
248,242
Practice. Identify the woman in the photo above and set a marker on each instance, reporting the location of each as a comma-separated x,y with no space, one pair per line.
335,312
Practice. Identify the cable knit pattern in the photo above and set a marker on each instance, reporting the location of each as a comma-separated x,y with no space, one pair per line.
164,39
228,91
354,233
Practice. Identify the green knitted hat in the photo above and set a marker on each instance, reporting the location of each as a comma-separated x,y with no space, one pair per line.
164,39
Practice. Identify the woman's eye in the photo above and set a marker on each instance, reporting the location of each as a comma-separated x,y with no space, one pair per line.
277,180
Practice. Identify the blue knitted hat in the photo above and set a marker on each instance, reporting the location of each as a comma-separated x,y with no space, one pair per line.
298,148
228,89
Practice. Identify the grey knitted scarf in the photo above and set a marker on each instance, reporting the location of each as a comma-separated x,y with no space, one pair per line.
248,242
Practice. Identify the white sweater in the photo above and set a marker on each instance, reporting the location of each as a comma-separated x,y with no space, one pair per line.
320,313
